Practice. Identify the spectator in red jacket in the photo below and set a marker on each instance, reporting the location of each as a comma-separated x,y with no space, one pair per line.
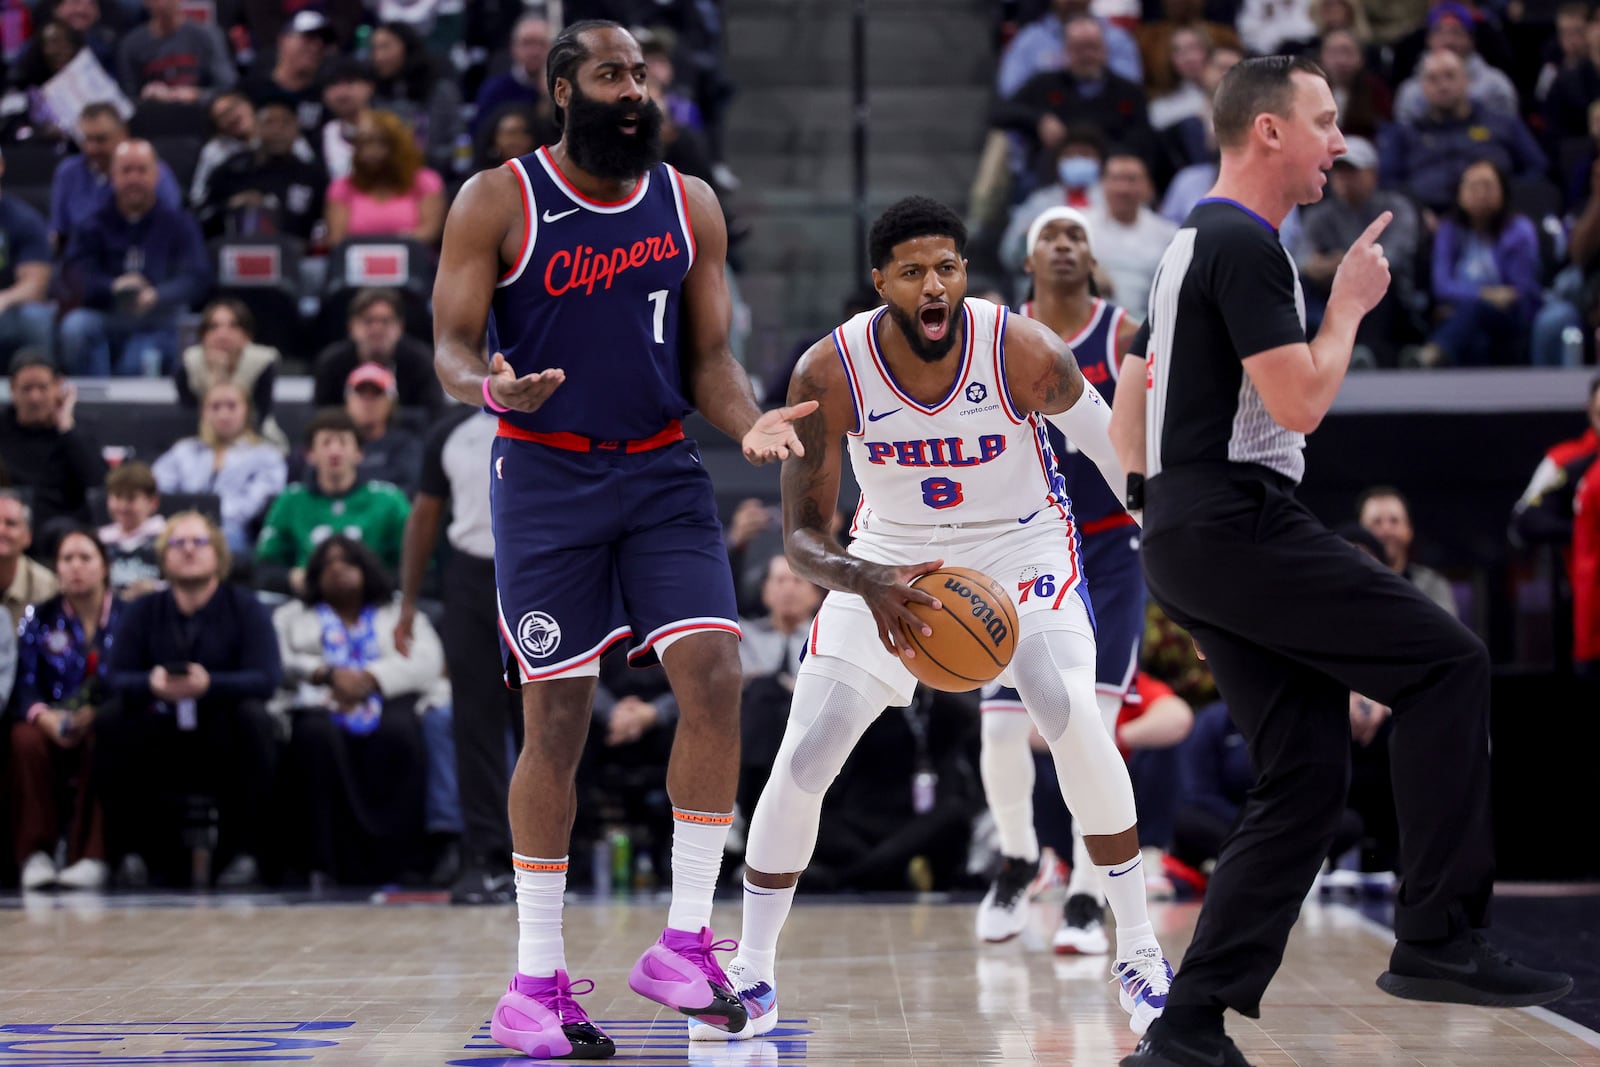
1561,506
1544,513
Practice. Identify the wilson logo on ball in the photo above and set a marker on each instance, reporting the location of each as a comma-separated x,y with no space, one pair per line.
994,624
974,630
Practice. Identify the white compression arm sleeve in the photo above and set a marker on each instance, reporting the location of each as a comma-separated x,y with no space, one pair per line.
1087,425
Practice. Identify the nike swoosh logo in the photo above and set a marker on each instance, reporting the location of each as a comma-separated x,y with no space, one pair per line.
873,416
1125,870
1030,518
557,218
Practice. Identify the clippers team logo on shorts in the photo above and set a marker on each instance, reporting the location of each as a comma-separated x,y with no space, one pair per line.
977,392
538,634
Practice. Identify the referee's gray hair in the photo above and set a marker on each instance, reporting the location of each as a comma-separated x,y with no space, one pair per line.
27,509
1254,86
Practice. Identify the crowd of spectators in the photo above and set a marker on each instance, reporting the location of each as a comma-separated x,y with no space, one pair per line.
144,140
1475,122
277,653
206,677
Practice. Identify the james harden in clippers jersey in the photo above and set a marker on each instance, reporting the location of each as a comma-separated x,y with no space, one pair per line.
596,292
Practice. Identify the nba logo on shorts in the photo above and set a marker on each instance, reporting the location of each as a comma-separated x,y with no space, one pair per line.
538,634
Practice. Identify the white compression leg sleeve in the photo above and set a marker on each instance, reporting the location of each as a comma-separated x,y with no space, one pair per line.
1084,878
826,719
1006,765
1054,672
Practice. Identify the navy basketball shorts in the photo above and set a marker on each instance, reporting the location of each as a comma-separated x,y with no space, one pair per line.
1111,571
591,548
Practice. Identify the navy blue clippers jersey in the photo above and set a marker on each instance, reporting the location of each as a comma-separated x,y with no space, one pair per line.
595,292
1095,347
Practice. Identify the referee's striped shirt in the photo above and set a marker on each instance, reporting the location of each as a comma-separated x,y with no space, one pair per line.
1225,290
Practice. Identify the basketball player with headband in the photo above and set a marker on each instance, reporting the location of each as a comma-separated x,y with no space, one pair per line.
942,403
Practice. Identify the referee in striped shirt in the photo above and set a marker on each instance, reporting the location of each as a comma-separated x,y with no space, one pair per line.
1290,617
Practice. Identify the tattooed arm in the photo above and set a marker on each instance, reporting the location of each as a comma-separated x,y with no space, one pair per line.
811,496
1043,376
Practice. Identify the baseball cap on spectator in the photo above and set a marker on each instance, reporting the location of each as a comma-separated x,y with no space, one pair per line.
1450,9
312,24
1358,153
349,69
371,374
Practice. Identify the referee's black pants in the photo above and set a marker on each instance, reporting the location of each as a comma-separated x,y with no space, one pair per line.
483,710
1291,619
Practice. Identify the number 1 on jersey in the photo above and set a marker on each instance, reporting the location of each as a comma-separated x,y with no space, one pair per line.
659,299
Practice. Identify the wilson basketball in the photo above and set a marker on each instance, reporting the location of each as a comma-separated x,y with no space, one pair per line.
974,635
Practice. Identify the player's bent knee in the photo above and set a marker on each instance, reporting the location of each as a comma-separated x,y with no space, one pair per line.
829,716
1054,685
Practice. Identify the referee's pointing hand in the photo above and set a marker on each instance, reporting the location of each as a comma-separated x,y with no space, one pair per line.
1363,275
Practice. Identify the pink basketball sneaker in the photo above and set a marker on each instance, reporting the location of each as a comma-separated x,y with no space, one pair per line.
539,1018
681,971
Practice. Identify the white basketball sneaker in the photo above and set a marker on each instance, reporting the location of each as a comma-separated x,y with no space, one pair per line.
1083,929
1004,911
757,993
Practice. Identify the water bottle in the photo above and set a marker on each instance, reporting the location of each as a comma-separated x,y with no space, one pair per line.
924,789
644,878
463,153
1572,347
621,860
150,361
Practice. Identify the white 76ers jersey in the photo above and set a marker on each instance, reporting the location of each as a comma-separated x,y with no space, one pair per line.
971,457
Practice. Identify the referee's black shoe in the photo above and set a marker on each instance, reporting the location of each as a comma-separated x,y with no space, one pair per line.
1167,1046
1468,970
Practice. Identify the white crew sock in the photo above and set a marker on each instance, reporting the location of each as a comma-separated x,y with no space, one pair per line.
540,886
765,912
697,841
1125,893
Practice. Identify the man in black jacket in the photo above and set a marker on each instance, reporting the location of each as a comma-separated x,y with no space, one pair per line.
192,666
41,446
377,335
271,189
1086,93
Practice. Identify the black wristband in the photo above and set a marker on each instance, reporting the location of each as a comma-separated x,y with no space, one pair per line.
1135,498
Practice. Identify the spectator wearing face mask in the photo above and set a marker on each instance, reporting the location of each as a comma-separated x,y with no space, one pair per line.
1078,163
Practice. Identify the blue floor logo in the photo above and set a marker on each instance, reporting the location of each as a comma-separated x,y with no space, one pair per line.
120,1044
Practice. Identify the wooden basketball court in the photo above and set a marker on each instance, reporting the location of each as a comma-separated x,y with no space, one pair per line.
256,980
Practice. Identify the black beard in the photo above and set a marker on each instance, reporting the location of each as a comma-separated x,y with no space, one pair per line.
596,143
924,349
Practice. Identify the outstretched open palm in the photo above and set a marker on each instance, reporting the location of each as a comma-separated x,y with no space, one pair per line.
773,437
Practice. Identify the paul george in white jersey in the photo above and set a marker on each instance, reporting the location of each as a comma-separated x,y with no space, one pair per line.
942,403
